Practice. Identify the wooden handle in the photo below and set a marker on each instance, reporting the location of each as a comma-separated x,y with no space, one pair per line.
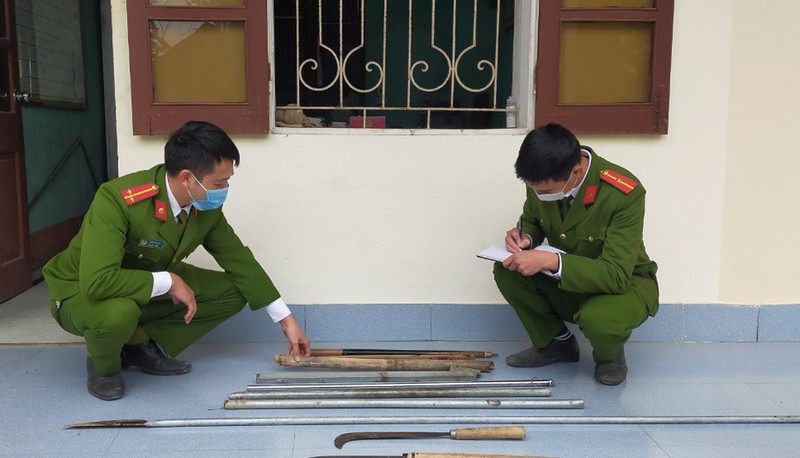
498,432
463,455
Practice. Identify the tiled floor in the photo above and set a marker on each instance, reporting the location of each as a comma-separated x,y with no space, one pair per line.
42,389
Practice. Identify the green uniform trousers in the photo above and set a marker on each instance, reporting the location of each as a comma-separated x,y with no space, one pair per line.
606,320
107,325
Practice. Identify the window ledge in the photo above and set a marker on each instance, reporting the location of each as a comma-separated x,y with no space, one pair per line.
393,132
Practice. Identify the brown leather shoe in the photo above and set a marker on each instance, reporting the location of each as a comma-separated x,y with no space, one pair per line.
612,373
566,351
106,388
150,359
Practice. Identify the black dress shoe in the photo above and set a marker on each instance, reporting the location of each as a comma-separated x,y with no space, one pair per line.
149,358
612,373
567,351
106,388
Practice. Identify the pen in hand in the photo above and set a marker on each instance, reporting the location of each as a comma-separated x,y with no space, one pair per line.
519,228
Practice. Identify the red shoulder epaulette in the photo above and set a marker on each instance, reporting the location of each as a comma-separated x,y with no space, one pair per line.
620,182
139,193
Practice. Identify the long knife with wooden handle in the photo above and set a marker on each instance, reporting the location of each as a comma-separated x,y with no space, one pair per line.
498,432
431,455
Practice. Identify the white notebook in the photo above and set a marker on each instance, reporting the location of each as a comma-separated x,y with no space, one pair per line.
499,253
495,253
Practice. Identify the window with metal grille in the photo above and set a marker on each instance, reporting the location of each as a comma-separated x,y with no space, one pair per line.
444,64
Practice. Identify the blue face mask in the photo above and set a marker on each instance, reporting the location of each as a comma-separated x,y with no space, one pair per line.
214,198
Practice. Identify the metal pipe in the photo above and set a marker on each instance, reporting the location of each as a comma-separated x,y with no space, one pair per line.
294,378
235,404
389,351
403,385
418,420
430,393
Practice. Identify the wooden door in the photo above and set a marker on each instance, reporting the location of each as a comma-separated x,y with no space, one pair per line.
15,261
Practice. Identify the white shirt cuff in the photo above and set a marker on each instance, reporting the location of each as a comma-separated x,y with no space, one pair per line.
557,274
162,282
278,310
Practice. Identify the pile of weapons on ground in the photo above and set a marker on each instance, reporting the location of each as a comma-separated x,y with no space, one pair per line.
408,379
401,380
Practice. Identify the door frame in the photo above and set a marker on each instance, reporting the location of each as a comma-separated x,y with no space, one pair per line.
15,270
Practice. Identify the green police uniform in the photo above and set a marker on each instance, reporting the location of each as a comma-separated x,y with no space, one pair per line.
100,286
608,283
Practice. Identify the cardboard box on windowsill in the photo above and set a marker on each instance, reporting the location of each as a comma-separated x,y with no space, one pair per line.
372,122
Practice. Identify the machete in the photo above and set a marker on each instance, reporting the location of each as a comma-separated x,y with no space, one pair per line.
499,432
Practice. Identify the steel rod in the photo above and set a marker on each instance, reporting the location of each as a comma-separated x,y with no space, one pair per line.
236,404
387,351
430,420
404,385
397,393
292,378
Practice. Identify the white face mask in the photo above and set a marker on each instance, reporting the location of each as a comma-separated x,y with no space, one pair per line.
554,197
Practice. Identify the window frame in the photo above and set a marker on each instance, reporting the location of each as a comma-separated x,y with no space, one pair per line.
614,118
153,118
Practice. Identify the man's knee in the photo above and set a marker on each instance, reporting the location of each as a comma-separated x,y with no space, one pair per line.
603,320
117,315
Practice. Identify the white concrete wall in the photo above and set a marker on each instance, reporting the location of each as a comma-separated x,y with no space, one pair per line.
339,218
761,247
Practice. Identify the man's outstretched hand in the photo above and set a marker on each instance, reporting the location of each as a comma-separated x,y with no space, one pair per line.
298,340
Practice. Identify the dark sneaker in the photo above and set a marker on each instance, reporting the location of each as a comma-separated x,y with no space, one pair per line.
612,373
149,358
106,388
566,351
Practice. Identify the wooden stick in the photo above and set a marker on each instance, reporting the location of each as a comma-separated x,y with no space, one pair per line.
341,362
323,376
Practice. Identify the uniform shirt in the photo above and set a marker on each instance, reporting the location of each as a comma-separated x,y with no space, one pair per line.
125,237
572,195
162,280
600,234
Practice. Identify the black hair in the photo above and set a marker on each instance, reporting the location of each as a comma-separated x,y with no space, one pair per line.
198,146
549,152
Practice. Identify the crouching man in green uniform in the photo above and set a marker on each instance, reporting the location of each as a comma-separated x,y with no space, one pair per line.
122,285
600,277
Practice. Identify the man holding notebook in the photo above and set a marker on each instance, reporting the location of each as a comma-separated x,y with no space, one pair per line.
594,270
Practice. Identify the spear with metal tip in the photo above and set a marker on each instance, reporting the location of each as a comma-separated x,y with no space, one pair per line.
437,420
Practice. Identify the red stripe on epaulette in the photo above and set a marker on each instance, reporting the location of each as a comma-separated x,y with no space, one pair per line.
620,182
161,210
590,195
139,193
